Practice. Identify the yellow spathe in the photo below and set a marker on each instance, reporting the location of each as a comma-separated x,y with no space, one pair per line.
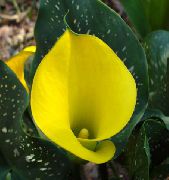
82,84
16,63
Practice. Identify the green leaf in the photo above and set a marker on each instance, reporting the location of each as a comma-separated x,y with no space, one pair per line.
157,49
158,136
28,157
160,172
12,175
138,155
95,18
156,114
159,145
4,168
147,15
28,125
27,70
149,143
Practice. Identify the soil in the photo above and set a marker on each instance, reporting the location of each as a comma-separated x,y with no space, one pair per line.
17,23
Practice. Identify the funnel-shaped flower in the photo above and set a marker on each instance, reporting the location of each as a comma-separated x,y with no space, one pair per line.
82,93
17,62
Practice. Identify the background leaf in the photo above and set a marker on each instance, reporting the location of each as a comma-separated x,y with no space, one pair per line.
95,18
161,172
138,155
4,168
147,15
147,149
157,49
28,157
156,114
158,136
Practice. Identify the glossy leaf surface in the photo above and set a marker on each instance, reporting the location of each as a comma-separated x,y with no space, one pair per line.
28,157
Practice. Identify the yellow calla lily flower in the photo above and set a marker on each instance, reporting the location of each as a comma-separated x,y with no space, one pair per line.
16,63
82,94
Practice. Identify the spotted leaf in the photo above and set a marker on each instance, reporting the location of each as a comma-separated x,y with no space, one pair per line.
158,136
28,157
147,149
157,49
138,155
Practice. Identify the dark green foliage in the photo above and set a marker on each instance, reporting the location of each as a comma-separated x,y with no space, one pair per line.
158,137
4,168
28,157
155,120
156,114
147,149
157,49
160,172
147,15
138,155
